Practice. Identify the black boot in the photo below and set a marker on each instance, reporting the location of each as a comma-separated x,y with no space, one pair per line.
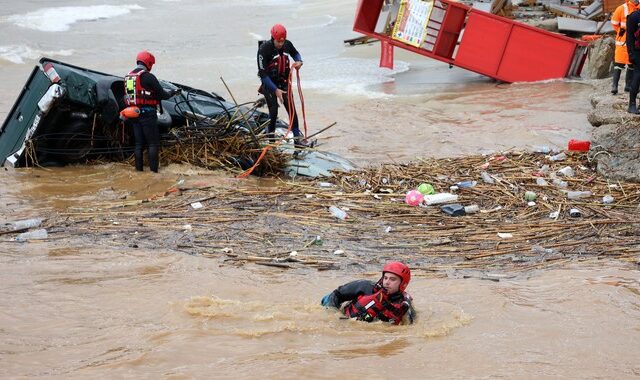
139,159
627,79
616,79
633,108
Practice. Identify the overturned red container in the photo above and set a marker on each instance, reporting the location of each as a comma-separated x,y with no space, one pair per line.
579,145
455,33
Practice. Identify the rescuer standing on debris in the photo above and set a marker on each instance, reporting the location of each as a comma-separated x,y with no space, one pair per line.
621,58
143,90
633,45
384,300
273,70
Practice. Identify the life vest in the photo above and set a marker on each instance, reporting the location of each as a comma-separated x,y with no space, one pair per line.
278,69
136,94
379,306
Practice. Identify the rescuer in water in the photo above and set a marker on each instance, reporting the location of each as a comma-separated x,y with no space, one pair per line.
273,70
385,300
142,90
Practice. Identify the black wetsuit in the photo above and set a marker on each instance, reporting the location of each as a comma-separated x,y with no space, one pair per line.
145,126
350,292
267,52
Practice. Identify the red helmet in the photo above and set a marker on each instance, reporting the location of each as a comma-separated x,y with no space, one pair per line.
278,32
399,269
147,58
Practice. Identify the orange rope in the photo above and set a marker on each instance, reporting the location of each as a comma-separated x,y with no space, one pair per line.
304,115
292,113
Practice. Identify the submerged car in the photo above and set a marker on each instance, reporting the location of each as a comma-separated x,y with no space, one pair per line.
67,113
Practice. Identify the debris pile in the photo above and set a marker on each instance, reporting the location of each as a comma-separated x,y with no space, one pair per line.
526,211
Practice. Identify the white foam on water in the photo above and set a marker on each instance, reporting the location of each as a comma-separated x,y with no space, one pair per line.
19,53
256,36
261,3
349,76
332,19
59,19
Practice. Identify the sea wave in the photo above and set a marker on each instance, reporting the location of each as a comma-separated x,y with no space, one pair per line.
350,76
59,19
19,53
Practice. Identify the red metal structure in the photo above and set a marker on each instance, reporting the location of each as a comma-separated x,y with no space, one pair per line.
478,41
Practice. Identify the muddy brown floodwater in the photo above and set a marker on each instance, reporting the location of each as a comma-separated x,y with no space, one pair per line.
85,311
76,309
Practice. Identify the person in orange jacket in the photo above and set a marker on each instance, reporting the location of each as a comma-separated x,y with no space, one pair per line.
621,58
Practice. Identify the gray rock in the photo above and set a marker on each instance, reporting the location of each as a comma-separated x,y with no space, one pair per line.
609,109
601,58
615,144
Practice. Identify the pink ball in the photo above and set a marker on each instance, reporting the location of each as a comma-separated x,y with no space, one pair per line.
414,198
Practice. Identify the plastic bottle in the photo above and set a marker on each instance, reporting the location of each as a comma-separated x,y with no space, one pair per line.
558,157
541,182
472,209
464,184
578,194
434,199
33,235
561,184
567,171
24,224
542,149
338,213
487,178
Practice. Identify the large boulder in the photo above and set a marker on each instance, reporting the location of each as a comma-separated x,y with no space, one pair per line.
601,53
615,143
609,109
616,149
